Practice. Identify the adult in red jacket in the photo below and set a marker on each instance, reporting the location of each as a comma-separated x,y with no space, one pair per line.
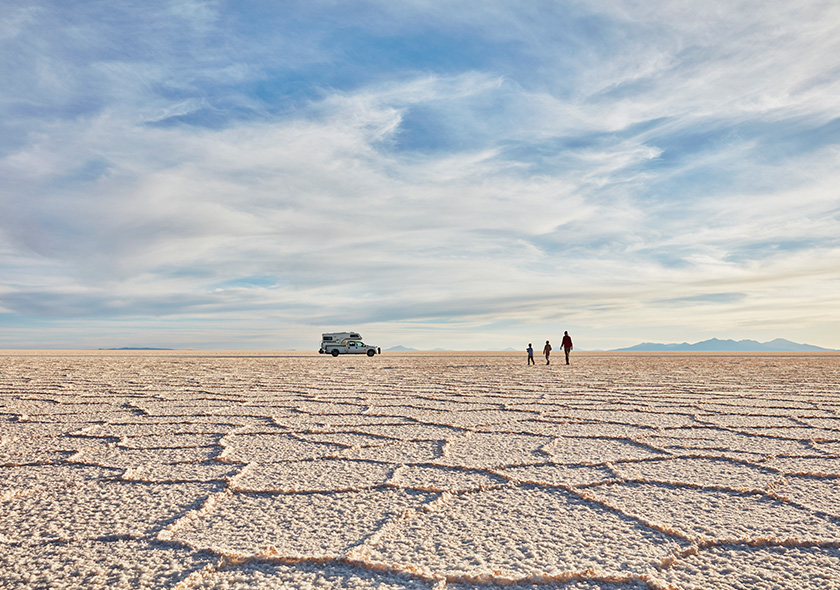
567,345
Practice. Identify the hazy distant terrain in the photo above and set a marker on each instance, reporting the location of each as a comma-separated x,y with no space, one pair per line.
424,472
715,345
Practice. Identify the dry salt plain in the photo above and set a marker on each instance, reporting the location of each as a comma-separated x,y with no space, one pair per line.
421,472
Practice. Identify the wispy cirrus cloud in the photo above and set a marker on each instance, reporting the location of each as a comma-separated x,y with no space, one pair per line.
462,174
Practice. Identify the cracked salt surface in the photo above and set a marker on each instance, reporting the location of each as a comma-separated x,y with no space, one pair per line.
235,471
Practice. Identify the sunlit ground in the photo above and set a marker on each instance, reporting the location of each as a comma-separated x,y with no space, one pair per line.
421,471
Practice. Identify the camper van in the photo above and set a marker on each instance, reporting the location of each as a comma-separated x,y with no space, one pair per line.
336,343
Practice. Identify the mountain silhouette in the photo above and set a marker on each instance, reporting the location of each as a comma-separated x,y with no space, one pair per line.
716,345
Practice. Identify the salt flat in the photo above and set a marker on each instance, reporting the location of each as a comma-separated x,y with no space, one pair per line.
419,471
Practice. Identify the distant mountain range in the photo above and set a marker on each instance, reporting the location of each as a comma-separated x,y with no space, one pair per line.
715,345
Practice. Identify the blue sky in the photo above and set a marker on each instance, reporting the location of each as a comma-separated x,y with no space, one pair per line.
470,175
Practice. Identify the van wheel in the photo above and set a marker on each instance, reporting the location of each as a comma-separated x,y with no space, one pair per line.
371,352
335,352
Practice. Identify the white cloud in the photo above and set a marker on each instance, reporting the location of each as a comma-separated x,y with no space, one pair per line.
550,208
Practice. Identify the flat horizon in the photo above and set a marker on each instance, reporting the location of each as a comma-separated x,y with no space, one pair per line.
245,175
556,354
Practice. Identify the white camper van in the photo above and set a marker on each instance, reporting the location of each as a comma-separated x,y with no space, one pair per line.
336,343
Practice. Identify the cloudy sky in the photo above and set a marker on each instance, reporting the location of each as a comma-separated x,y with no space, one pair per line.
468,175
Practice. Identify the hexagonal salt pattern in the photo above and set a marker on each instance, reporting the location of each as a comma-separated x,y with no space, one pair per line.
742,567
521,532
298,526
418,472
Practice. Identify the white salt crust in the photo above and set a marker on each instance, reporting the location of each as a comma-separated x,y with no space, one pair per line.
30,479
755,568
700,471
296,526
82,564
323,475
551,474
98,509
419,472
520,532
182,472
726,442
701,514
332,576
816,466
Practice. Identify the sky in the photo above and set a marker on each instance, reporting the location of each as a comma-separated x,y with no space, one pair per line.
461,175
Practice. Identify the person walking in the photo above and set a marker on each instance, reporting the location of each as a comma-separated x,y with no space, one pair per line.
547,352
567,345
530,351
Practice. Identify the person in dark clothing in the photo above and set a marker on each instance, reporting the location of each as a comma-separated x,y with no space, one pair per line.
547,352
567,345
530,351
